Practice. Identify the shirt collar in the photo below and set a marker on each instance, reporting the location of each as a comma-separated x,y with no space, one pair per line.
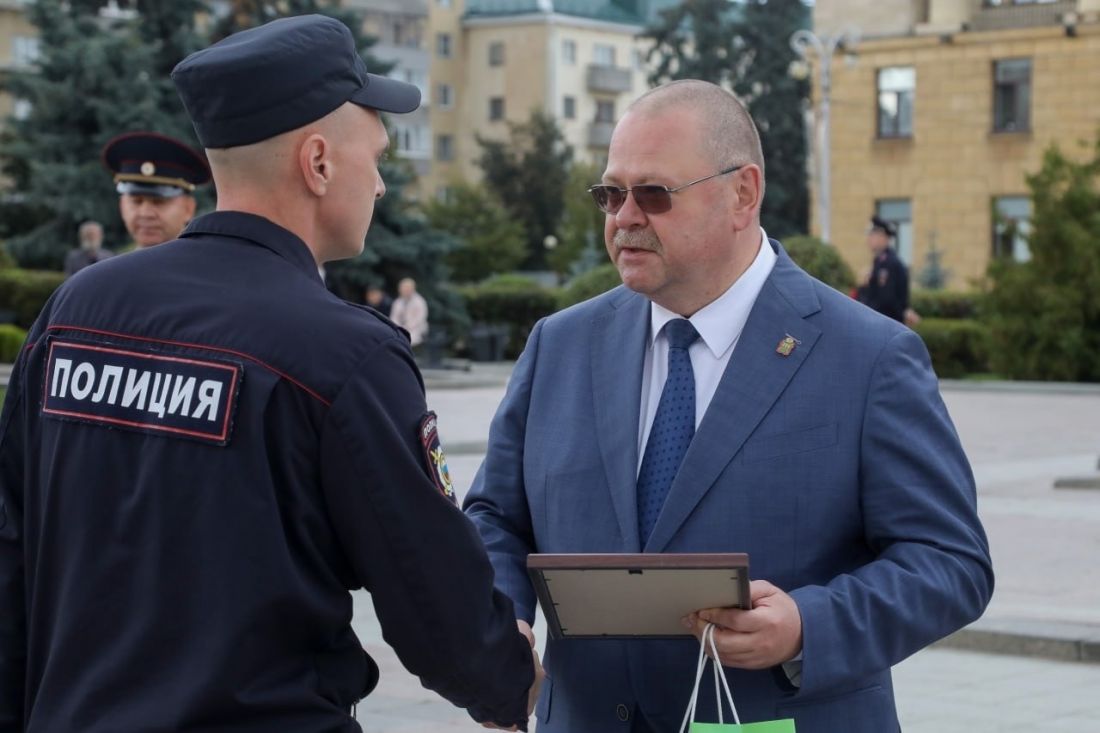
258,230
721,321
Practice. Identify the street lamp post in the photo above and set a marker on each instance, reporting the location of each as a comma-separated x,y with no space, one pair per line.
803,41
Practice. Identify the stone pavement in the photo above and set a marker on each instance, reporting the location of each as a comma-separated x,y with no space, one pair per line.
1045,544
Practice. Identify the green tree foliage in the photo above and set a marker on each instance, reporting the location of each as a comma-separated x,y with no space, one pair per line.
776,100
745,47
695,40
490,240
580,243
95,78
1044,315
528,173
821,261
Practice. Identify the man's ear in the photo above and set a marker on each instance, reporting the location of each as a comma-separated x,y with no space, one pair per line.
748,192
189,204
314,161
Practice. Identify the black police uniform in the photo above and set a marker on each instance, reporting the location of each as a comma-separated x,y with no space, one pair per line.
887,290
201,451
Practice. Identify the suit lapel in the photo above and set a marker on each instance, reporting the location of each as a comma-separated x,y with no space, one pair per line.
618,356
754,379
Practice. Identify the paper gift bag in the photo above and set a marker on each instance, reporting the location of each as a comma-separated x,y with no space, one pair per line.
720,683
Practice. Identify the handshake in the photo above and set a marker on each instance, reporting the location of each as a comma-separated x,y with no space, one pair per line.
540,675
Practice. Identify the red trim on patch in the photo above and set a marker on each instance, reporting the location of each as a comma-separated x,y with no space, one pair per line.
136,354
186,345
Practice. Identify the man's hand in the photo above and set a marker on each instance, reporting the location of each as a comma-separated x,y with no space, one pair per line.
540,674
767,635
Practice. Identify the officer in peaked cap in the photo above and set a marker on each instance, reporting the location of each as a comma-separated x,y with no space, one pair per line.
156,177
202,450
886,287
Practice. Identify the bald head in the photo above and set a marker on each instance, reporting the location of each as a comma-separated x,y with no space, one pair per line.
728,136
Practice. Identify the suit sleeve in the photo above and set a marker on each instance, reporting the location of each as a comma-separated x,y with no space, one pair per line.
931,573
13,619
497,501
420,558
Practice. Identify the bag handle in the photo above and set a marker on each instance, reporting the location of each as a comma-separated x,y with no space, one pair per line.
700,667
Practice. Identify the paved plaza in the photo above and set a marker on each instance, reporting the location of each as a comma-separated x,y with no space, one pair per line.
1045,544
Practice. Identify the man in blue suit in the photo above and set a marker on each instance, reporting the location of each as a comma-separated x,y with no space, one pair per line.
815,440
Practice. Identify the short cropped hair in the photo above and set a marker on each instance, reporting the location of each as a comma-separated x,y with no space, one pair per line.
729,134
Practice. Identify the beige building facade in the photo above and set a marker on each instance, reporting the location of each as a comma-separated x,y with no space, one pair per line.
937,121
18,49
490,69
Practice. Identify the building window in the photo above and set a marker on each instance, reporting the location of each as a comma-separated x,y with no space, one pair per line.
896,85
444,147
569,52
605,111
1012,95
443,3
639,60
569,108
496,53
496,108
443,45
412,140
1011,227
446,95
899,212
603,55
24,50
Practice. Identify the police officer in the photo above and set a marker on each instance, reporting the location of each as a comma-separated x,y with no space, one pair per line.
156,177
886,286
202,450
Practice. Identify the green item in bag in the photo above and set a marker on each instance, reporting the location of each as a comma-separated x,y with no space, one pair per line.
768,726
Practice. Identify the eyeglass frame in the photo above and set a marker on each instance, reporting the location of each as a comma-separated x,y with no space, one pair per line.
627,191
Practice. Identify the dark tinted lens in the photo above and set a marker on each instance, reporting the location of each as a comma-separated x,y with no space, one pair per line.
609,198
652,199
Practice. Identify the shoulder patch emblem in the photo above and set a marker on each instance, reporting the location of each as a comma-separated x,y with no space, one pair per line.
142,390
436,460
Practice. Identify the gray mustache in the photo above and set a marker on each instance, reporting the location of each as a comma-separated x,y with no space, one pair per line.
645,240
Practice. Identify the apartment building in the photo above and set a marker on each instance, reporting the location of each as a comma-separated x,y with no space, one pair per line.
494,61
942,109
18,50
400,28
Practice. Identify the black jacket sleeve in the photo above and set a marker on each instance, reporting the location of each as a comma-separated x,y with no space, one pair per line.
413,549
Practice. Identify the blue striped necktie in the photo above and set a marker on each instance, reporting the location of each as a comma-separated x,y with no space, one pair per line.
673,428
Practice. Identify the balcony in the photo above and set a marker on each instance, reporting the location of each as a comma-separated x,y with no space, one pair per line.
599,134
990,17
609,79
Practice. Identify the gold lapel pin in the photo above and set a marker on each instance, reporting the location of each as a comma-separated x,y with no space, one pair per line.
787,345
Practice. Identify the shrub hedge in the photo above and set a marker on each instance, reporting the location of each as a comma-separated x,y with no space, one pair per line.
598,280
514,300
946,303
24,292
11,341
957,346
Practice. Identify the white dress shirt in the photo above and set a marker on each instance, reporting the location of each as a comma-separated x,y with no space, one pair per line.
719,325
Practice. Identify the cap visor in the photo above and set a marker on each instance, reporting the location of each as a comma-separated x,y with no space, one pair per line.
387,95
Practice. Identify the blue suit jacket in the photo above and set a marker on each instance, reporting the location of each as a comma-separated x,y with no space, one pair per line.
836,468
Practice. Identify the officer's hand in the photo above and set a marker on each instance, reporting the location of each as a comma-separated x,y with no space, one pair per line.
767,635
540,674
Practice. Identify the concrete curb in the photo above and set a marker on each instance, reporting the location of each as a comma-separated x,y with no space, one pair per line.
1071,388
1055,640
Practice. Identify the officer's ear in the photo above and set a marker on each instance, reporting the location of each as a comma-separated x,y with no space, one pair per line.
315,162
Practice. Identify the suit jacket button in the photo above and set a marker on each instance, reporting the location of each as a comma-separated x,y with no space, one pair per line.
623,712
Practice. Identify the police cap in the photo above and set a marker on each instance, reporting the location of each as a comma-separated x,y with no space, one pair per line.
883,226
148,164
277,77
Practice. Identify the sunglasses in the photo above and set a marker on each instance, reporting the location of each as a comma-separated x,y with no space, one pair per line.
650,198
